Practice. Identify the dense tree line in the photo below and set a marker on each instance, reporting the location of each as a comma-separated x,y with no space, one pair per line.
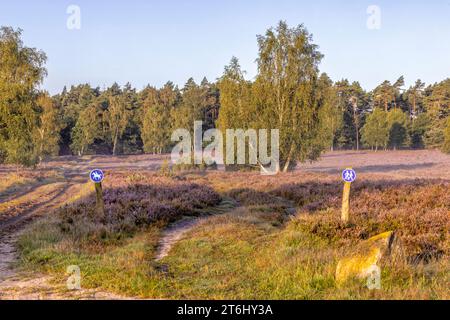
312,112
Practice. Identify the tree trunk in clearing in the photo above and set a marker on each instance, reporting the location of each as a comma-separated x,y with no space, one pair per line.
41,147
116,136
288,160
286,165
357,139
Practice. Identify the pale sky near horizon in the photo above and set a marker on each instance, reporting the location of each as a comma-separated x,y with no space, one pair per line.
152,42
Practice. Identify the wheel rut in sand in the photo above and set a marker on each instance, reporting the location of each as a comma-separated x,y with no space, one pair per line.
174,234
16,284
177,230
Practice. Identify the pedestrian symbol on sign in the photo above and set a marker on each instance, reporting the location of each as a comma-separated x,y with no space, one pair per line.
96,176
349,175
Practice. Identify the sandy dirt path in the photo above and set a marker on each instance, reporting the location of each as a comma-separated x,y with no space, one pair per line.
15,213
173,234
178,230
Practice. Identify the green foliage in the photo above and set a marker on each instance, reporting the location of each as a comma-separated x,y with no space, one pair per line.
419,127
236,105
375,132
414,96
446,144
155,133
237,110
312,113
85,130
286,92
118,117
398,128
284,96
46,135
387,95
21,72
352,100
437,104
157,120
330,114
190,108
434,137
71,103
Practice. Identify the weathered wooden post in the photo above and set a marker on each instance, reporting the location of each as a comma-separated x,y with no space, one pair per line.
97,177
348,175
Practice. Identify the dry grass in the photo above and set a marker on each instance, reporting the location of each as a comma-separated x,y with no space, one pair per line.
259,250
132,204
13,181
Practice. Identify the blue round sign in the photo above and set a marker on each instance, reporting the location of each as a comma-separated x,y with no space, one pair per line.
349,175
96,176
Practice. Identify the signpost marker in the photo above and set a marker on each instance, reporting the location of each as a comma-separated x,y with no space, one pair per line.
348,175
97,177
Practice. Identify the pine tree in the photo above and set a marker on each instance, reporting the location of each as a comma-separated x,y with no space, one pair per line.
387,95
330,113
437,104
237,110
191,107
419,126
414,96
398,128
352,100
158,111
235,99
71,103
446,144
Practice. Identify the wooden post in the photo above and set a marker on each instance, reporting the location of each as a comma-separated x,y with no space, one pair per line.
345,215
100,204
346,202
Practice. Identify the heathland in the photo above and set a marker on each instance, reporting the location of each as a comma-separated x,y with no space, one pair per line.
172,233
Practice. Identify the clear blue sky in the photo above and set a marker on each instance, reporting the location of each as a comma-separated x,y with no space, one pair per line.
156,41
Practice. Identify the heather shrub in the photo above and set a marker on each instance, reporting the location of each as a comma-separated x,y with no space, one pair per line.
133,203
315,195
419,212
251,197
254,251
165,169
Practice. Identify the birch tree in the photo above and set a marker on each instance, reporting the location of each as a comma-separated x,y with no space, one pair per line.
21,72
118,117
47,133
286,91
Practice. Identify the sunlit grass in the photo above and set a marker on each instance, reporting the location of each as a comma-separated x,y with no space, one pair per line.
255,251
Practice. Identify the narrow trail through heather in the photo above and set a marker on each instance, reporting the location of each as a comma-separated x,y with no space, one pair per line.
173,234
177,230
